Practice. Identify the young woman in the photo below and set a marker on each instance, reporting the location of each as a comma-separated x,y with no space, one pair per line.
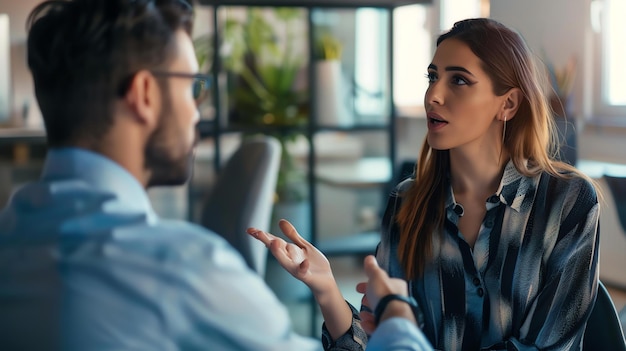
497,240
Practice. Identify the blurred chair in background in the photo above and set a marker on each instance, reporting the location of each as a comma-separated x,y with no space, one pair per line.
243,196
613,232
604,331
617,187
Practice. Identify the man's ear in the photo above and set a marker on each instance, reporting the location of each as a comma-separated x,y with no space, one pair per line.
512,100
143,98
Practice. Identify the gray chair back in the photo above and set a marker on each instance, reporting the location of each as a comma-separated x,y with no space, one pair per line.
604,330
243,196
617,185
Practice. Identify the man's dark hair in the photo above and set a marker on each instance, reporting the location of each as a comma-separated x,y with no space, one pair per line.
84,53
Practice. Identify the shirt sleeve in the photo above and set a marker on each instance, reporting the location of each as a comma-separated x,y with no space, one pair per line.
393,334
220,304
355,339
558,317
398,334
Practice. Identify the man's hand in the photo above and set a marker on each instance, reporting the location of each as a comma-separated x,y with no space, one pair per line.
379,285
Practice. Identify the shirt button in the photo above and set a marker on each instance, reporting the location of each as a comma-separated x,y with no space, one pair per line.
476,281
489,223
481,292
493,199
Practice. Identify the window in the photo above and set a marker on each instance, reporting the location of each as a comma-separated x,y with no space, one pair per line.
416,28
412,54
456,10
609,94
614,52
5,69
371,48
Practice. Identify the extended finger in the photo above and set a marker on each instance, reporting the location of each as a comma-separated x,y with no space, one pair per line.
264,237
371,267
291,233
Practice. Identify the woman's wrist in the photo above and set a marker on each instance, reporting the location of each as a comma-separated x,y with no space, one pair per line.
328,293
335,310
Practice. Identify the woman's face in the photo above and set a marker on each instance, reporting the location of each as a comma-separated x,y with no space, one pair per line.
461,107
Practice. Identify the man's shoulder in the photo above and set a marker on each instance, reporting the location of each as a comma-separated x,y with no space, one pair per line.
173,241
187,234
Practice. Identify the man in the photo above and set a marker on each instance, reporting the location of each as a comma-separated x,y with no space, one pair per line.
86,264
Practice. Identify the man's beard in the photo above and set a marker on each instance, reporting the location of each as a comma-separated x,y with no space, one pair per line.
166,168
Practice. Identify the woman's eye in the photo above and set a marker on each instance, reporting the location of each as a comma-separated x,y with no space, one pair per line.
458,80
431,76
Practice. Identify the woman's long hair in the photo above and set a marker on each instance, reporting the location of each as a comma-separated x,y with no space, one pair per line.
530,136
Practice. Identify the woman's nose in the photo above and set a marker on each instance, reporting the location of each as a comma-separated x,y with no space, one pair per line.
434,94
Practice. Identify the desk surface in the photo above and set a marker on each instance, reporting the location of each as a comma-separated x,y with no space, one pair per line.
360,173
376,171
22,135
596,169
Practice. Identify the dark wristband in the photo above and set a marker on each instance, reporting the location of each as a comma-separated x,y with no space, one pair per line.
382,304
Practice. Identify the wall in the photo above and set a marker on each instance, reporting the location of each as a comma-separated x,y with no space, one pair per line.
18,11
560,29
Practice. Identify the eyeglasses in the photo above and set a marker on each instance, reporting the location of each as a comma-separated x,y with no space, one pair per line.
201,83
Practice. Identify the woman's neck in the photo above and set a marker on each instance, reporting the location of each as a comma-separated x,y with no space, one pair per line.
476,176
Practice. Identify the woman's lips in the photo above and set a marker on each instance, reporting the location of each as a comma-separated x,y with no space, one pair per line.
435,121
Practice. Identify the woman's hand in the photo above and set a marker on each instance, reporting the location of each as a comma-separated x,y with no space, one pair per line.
301,259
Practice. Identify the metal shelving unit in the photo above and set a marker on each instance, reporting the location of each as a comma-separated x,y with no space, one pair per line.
387,124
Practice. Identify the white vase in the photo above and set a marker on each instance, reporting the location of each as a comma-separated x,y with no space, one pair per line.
331,95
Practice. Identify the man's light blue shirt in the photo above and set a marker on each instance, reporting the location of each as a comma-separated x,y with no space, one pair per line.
86,264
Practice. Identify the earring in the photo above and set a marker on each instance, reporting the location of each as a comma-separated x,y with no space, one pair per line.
504,130
503,134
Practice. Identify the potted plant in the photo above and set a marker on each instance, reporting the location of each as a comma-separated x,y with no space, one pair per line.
264,67
562,83
267,95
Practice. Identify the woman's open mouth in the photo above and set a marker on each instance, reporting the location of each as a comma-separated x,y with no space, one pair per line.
435,121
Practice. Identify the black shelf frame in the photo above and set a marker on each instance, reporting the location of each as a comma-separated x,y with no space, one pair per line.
214,129
390,4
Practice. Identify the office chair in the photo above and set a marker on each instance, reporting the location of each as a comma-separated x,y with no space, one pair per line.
604,330
243,196
568,140
617,186
613,230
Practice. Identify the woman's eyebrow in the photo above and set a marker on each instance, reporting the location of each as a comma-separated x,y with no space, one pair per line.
451,68
459,68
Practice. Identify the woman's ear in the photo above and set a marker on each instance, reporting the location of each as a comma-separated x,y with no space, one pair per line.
143,99
512,100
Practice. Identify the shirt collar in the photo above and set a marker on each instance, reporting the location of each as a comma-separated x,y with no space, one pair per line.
100,173
514,187
512,190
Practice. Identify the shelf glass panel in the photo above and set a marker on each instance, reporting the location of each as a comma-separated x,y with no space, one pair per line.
351,66
318,3
264,56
